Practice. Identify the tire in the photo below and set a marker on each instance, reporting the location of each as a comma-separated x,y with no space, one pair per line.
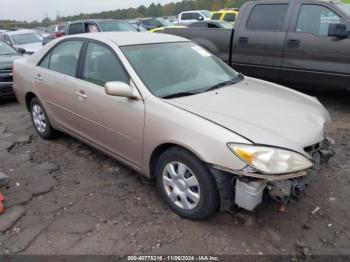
40,120
186,185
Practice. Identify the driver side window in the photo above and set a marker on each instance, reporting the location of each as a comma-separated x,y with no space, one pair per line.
315,19
102,66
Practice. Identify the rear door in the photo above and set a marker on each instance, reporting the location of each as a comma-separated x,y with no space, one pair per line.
113,123
311,57
56,83
259,40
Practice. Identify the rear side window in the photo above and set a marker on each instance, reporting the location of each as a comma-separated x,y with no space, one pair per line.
196,15
229,17
267,17
46,62
76,29
216,16
63,58
187,16
101,66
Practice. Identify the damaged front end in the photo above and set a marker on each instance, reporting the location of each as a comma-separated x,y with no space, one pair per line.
247,188
285,190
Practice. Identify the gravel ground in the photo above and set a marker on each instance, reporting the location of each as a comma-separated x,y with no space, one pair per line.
65,198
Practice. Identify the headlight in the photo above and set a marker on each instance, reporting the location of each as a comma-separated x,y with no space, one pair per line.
271,160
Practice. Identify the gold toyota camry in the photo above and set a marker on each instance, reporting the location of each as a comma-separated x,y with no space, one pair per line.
174,112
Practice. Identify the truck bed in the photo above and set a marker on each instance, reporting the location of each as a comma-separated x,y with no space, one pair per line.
214,40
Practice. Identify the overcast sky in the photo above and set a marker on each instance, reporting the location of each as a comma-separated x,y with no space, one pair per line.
36,9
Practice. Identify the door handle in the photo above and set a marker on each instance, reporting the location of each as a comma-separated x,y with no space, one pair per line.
81,94
293,43
38,77
243,40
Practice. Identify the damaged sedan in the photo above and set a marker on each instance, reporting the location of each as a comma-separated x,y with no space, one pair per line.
167,108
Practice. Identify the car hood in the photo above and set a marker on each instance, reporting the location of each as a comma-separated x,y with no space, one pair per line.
262,112
31,47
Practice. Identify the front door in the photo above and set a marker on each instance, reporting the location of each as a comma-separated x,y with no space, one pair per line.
113,123
56,83
311,57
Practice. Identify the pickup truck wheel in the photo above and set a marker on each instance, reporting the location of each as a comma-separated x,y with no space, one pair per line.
186,185
40,120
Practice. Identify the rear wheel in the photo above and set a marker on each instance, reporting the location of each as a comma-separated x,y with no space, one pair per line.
186,185
40,120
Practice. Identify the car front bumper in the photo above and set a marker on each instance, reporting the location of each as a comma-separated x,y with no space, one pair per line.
281,188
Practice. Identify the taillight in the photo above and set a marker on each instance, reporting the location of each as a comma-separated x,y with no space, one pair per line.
59,34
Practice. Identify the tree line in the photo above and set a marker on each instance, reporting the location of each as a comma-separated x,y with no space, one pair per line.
153,10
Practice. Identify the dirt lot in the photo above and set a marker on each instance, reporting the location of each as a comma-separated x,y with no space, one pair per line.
65,198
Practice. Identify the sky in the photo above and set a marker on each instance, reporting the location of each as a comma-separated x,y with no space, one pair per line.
37,9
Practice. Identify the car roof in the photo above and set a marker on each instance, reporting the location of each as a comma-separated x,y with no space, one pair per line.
194,11
98,21
132,38
20,31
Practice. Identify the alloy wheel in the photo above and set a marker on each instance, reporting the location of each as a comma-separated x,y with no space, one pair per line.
39,118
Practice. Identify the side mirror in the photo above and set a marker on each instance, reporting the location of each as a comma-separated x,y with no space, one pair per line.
116,88
200,18
337,30
21,50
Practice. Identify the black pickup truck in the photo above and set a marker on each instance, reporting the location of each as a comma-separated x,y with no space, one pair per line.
300,43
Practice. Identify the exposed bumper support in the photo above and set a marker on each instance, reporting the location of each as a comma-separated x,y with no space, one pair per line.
281,188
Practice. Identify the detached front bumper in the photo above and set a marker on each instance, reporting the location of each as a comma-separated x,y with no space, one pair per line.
246,189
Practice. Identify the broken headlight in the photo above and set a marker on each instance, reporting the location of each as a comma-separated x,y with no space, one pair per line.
270,160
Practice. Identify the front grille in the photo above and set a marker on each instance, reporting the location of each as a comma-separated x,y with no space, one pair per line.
6,74
6,70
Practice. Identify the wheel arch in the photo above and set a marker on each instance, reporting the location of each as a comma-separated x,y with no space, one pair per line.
161,149
28,98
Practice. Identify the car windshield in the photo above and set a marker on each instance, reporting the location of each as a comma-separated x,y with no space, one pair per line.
6,50
206,13
165,22
168,69
26,38
344,7
116,26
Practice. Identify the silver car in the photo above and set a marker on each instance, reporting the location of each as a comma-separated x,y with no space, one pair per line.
172,111
25,40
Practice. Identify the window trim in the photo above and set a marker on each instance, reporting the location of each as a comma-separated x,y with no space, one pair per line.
285,22
81,61
49,53
294,28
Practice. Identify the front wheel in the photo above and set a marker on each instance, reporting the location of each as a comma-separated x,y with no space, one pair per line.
186,184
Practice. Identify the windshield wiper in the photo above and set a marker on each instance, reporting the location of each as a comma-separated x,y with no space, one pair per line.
226,83
180,94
